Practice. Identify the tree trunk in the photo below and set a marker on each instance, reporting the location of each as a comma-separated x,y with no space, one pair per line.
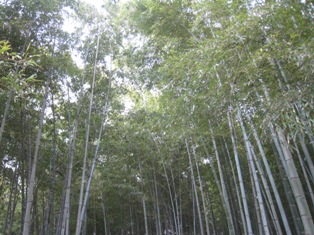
237,192
13,185
143,200
103,120
269,197
30,193
179,224
173,210
307,156
224,189
77,232
7,105
296,185
217,181
305,174
255,177
202,193
104,213
158,223
51,201
242,189
287,190
65,214
257,211
270,176
14,204
195,189
22,160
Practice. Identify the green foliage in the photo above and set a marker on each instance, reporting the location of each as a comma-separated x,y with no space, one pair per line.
174,69
14,68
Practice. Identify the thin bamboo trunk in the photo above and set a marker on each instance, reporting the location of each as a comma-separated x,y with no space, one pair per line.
180,201
224,189
230,185
269,197
84,206
171,196
306,123
84,226
131,219
30,193
87,140
48,223
35,214
287,190
9,205
212,219
305,174
158,223
296,186
257,210
104,213
237,191
179,228
61,210
6,110
292,173
104,118
46,212
270,176
168,185
145,215
22,168
16,192
242,189
65,204
255,177
202,193
275,140
143,200
298,109
51,215
66,207
195,189
217,181
193,208
307,156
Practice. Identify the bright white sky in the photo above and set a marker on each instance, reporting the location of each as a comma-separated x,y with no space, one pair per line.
69,26
96,3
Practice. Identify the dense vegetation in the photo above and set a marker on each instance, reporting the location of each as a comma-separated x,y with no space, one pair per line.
157,117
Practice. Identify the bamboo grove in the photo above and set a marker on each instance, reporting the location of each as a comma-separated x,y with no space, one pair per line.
157,117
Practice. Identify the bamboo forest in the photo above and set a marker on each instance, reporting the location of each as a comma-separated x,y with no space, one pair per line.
157,117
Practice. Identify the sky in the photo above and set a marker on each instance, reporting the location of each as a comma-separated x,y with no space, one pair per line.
69,26
96,3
